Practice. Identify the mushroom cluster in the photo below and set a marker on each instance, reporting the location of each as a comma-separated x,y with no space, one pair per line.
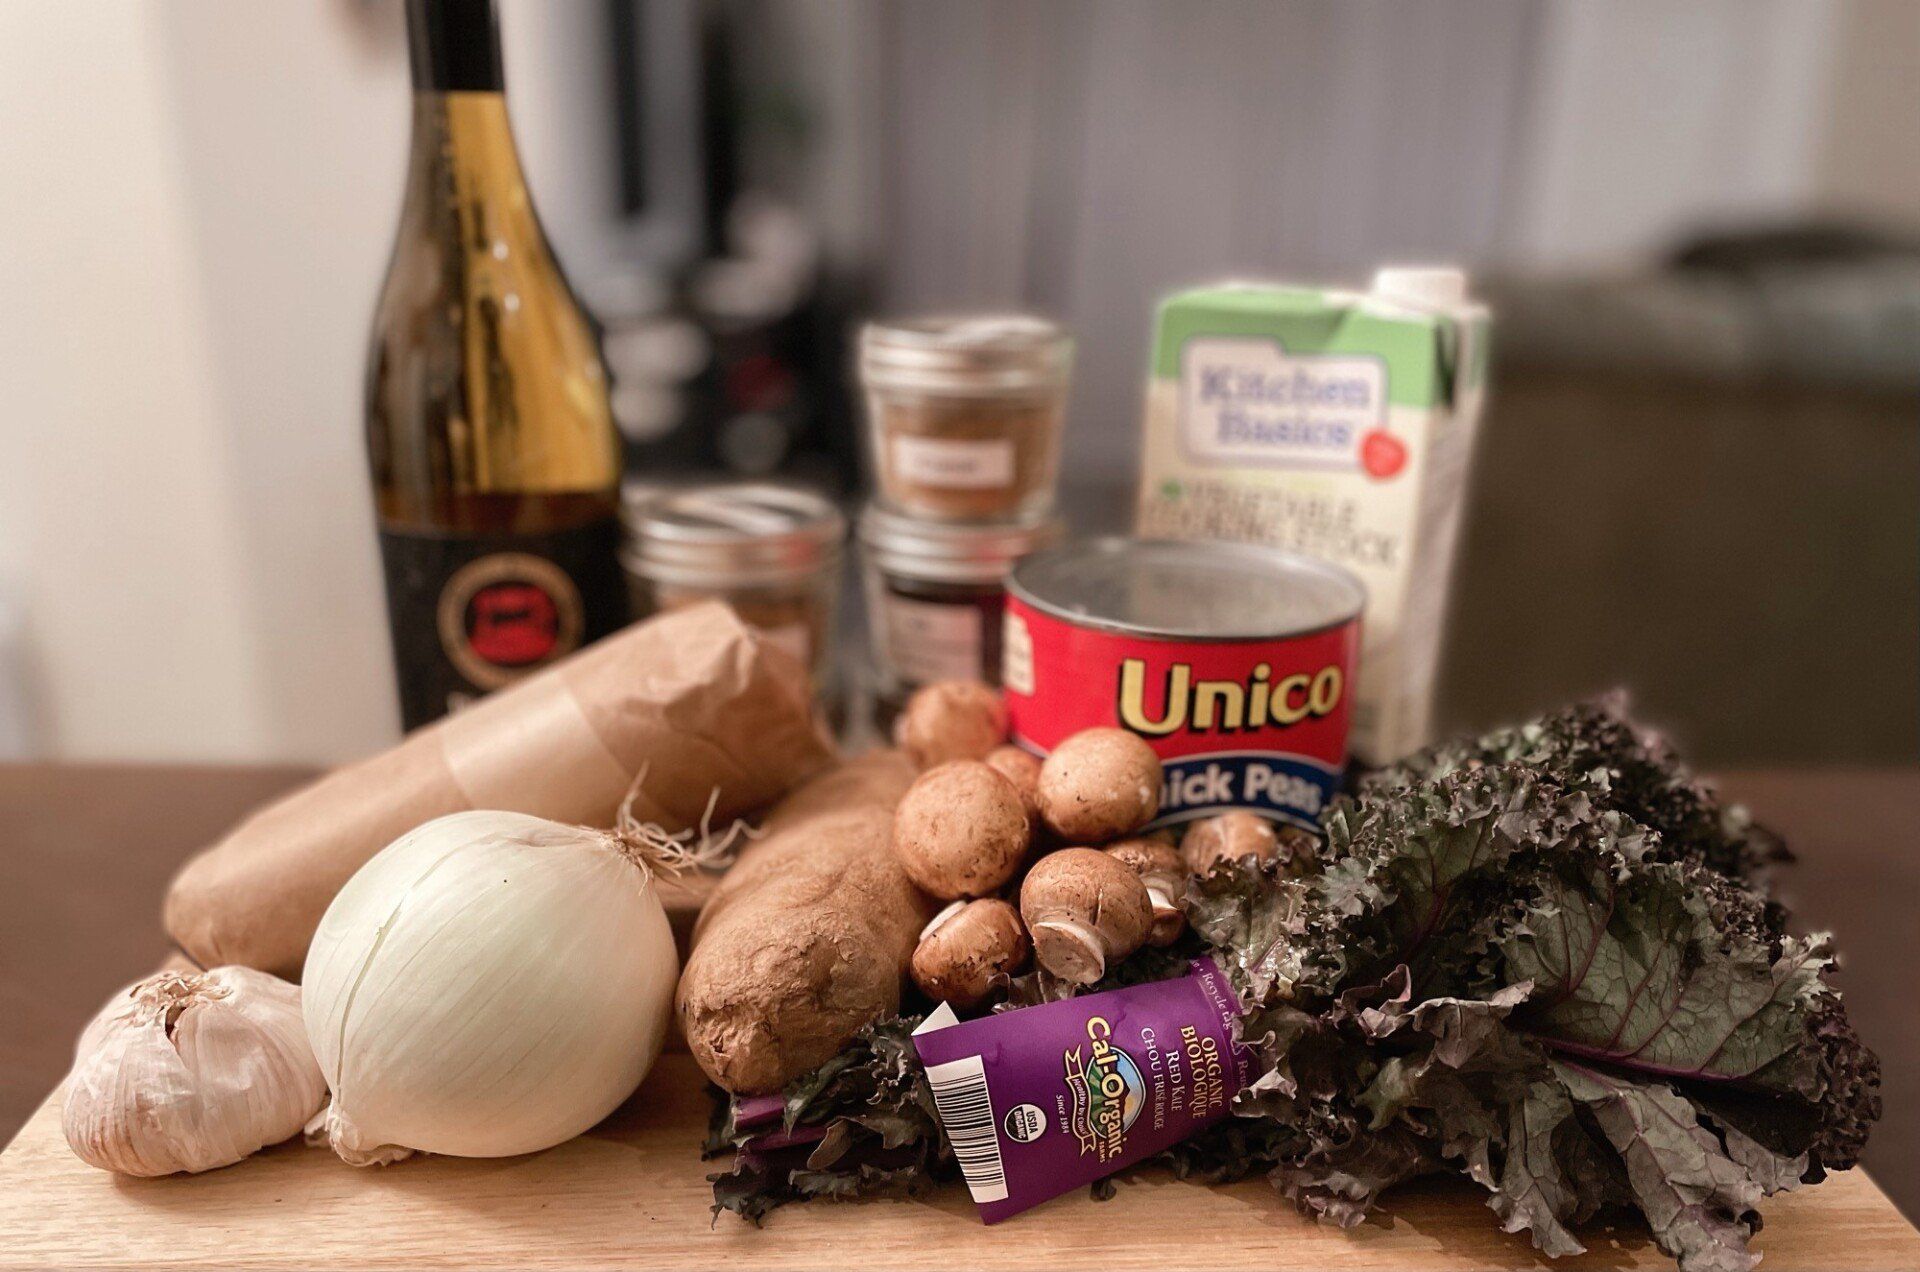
987,825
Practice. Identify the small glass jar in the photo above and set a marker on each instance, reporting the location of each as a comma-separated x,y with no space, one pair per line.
964,414
771,552
935,593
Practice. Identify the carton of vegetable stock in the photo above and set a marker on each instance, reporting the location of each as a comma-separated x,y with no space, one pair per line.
1339,424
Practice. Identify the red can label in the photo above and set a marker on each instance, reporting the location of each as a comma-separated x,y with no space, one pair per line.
1253,724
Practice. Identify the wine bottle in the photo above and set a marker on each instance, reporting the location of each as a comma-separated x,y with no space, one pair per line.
495,461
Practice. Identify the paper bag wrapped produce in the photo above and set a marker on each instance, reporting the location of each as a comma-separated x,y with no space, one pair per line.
692,699
807,938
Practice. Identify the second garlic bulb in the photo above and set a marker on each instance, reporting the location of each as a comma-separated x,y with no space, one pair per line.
190,1071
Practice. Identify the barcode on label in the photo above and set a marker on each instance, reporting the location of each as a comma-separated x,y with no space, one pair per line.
966,1111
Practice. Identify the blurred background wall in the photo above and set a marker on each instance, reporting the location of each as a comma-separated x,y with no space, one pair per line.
1699,473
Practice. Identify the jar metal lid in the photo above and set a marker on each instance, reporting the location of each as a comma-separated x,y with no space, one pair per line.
991,353
1176,590
735,532
951,551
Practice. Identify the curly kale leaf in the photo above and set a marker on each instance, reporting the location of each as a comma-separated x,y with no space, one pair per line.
1592,746
1254,920
1647,972
1700,1202
1511,967
862,1123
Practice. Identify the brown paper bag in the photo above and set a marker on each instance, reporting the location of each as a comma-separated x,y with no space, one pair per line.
691,697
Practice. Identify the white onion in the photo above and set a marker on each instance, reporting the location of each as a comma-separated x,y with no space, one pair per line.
488,984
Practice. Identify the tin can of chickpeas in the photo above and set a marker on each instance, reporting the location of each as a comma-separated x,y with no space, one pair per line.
1235,662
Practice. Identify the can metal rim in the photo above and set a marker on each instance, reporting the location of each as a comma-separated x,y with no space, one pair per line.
1268,563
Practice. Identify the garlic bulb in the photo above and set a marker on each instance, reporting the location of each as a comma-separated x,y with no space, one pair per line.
488,984
189,1071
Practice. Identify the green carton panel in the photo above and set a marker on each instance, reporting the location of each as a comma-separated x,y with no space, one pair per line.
1309,321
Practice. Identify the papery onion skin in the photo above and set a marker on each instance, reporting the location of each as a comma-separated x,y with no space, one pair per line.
489,984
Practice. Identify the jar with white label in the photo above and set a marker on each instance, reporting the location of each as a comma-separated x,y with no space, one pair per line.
936,593
772,552
964,414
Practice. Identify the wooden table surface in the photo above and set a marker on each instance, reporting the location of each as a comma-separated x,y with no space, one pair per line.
89,850
632,1193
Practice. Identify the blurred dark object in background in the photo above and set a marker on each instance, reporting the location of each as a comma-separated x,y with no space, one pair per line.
1704,483
1700,479
1764,252
724,341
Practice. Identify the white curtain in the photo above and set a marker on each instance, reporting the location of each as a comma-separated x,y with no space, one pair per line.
1085,156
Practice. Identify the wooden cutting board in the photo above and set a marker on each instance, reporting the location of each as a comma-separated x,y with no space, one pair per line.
633,1194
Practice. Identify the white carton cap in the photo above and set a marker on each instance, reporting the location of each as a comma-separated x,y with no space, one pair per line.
1422,286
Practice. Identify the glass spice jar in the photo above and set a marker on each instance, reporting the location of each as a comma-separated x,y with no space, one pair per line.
964,414
935,593
772,552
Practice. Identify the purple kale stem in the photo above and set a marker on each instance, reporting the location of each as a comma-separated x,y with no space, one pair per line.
1604,1056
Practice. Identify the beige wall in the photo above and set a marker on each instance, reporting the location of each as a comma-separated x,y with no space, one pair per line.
1869,161
199,198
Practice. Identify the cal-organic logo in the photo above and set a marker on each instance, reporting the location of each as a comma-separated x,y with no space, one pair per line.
1224,706
1107,1092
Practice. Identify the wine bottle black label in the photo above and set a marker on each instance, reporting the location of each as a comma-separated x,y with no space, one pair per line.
473,613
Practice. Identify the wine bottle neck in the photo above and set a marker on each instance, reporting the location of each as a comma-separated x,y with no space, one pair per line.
454,46
462,155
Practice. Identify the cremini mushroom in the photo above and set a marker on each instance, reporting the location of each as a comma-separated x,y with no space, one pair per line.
1099,784
960,830
1241,834
951,720
1085,912
967,948
1160,867
1022,768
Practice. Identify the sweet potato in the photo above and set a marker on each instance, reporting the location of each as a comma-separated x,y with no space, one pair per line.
808,937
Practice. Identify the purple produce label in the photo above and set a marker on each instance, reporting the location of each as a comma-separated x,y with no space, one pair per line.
1043,1100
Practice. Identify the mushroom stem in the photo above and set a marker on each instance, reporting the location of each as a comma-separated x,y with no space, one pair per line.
1070,950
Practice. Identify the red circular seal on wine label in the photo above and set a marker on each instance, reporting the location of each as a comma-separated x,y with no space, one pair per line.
1382,454
506,614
